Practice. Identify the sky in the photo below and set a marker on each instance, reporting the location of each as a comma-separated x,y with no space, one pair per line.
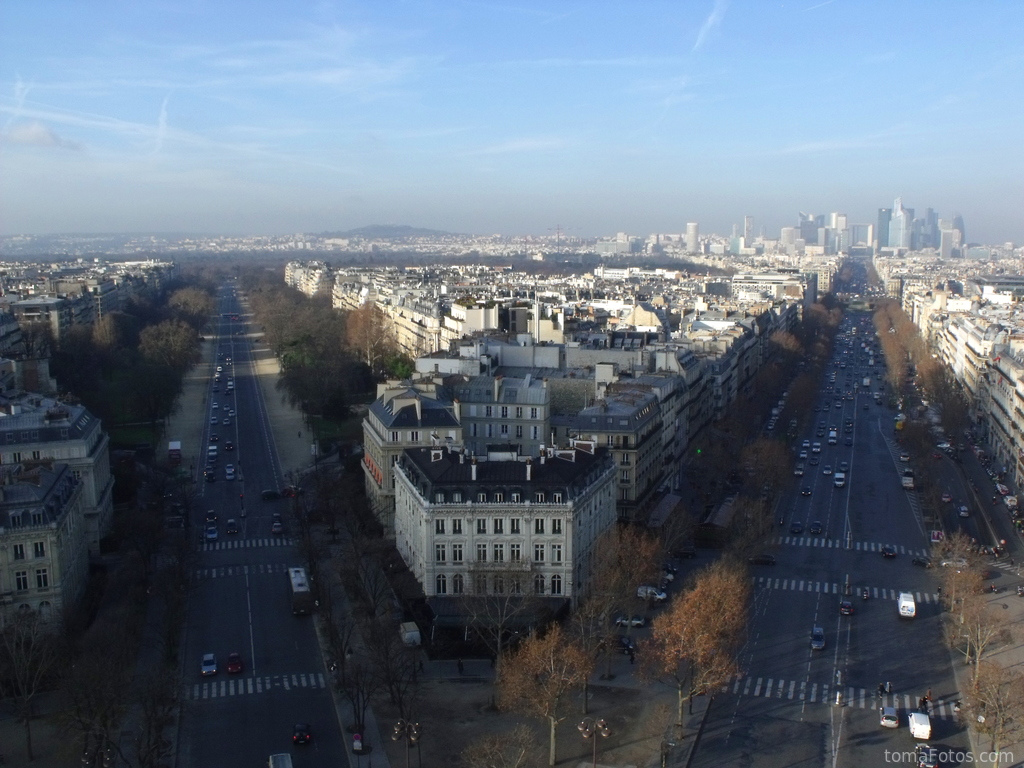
510,117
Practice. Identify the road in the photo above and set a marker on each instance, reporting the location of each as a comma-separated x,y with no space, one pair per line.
240,599
781,710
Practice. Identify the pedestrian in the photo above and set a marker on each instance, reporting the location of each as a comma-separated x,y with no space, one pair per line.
460,666
632,656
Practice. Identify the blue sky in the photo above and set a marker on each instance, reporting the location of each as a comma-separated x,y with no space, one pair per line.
506,117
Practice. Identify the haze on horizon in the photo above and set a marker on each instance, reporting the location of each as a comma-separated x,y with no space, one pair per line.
492,117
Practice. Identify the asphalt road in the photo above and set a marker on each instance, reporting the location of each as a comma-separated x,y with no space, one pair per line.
240,598
781,710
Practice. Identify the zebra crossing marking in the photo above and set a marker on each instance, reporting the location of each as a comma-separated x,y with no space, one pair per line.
240,570
834,588
274,541
244,686
824,542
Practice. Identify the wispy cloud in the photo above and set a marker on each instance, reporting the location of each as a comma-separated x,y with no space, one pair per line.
842,144
37,134
713,20
819,5
161,126
516,146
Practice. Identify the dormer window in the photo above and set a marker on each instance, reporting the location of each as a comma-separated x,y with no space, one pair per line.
439,497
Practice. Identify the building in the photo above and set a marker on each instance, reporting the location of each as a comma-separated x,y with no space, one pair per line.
44,560
692,238
405,415
502,409
503,524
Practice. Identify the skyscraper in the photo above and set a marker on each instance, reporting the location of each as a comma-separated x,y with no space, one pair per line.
884,218
900,226
692,239
748,228
958,225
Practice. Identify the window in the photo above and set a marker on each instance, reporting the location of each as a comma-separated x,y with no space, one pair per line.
556,553
37,518
439,551
515,587
481,553
499,553
519,430
480,584
499,497
534,432
490,430
514,525
36,455
504,411
481,497
457,497
19,551
439,497
556,585
439,525
42,578
515,553
624,476
499,585
39,549
556,524
458,586
499,525
457,527
488,411
533,413
538,525
624,460
538,584
414,436
609,441
557,499
538,553
456,553
441,584
395,437
481,525
21,581
504,430
539,497
473,430
519,412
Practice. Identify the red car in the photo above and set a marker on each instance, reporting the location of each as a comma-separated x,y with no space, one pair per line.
234,663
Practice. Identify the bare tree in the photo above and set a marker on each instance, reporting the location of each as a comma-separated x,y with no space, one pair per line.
30,650
157,702
514,749
394,661
539,676
499,603
996,705
977,629
359,681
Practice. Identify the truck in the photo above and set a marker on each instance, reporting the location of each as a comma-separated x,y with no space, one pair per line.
839,479
866,383
174,453
907,607
907,479
920,725
410,633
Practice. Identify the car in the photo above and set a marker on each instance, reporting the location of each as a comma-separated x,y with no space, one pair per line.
827,469
964,511
290,491
817,639
214,406
845,608
803,455
669,568
761,559
805,491
888,717
959,563
796,528
927,756
667,576
209,665
277,528
844,466
866,406
633,621
214,420
220,369
213,437
269,495
806,444
816,528
921,560
228,445
849,441
687,551
301,734
888,551
211,533
904,456
232,525
211,517
210,474
216,388
229,472
226,422
624,645
647,592
234,665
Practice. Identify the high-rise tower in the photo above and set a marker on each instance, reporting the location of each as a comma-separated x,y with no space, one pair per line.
692,239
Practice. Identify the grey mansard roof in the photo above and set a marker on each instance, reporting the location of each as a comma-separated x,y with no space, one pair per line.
433,413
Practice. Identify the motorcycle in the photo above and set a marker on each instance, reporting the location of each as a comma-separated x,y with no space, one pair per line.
865,595
1020,591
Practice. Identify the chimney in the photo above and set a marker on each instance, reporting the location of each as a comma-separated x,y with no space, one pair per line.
462,457
472,468
497,387
529,466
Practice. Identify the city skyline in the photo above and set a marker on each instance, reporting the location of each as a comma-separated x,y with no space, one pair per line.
484,118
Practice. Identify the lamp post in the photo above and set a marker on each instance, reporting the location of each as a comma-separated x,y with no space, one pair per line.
590,728
411,732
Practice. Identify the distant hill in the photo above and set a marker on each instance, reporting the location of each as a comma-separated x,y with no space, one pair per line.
388,232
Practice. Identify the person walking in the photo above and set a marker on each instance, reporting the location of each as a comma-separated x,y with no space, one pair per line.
632,656
460,666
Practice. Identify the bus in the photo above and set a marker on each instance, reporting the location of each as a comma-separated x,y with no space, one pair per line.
302,597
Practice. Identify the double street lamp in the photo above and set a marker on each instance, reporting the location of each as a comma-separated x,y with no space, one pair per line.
411,732
590,728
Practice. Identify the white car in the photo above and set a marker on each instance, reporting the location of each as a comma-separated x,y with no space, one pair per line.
647,592
888,717
209,666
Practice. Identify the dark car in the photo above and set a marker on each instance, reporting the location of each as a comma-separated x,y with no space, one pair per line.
685,551
845,608
624,645
816,528
924,562
761,559
229,446
234,665
213,437
290,491
301,734
796,528
806,490
269,495
927,756
211,516
817,639
277,528
888,551
232,526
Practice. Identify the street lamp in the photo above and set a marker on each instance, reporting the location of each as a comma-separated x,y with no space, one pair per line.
411,732
590,728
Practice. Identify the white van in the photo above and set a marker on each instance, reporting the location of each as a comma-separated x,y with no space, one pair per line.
832,437
839,479
920,725
908,609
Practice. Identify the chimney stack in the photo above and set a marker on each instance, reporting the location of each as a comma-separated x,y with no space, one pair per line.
529,466
472,468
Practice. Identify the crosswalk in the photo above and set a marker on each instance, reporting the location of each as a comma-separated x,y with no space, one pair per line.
240,570
856,546
274,541
823,693
245,686
835,588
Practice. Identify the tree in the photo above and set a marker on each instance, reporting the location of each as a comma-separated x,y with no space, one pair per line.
371,332
171,344
194,306
693,645
29,651
978,629
513,749
996,705
394,662
499,602
538,678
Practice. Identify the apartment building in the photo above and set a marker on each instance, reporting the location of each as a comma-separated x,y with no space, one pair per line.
502,410
502,524
44,559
